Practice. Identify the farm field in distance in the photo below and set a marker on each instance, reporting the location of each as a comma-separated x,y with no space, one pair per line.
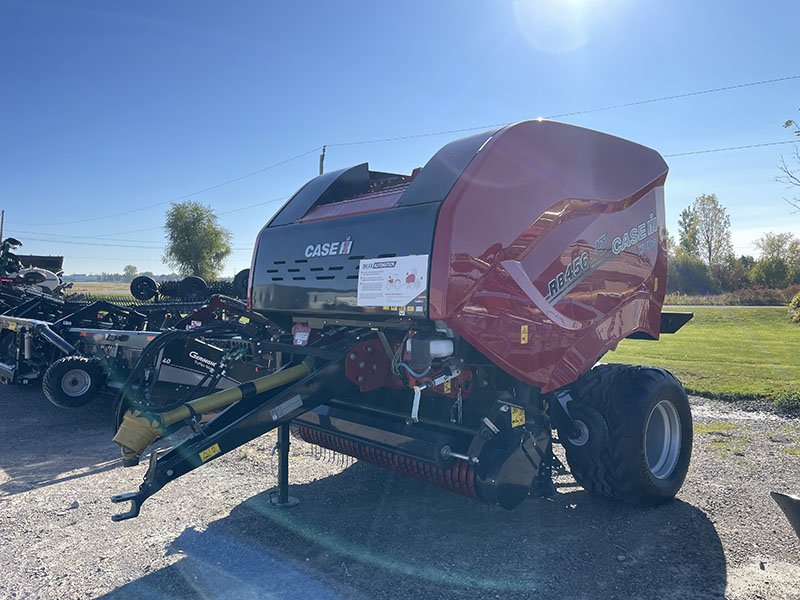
99,286
729,353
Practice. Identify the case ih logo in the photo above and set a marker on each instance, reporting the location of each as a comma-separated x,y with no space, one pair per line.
329,248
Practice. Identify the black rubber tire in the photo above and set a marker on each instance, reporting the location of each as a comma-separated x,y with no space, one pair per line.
143,287
73,381
193,288
240,284
626,396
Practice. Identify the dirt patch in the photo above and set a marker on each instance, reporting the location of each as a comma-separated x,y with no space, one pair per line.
361,532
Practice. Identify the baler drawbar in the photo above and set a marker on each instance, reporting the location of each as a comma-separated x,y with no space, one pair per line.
445,324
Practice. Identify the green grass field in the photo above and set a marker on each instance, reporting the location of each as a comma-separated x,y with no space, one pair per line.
99,286
731,353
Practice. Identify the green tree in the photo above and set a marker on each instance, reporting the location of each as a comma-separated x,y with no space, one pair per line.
196,243
688,275
687,232
713,229
784,246
129,272
732,273
770,272
779,245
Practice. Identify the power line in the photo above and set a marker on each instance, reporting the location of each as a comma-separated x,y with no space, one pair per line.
59,236
233,210
731,148
421,135
107,236
693,152
33,239
159,246
190,195
677,96
577,112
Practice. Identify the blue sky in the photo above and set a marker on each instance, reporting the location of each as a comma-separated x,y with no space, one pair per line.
114,106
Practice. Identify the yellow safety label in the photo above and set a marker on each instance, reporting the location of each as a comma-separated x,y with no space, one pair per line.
517,416
12,326
655,285
209,453
447,387
523,334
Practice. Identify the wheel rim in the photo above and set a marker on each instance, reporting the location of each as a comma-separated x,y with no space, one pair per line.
76,383
662,439
583,435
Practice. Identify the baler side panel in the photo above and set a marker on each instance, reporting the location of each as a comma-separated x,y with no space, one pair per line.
540,202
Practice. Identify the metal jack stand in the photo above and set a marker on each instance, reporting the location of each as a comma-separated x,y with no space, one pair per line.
280,498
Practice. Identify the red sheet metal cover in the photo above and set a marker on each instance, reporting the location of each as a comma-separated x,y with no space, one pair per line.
356,206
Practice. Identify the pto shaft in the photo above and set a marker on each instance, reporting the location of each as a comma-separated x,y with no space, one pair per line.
140,429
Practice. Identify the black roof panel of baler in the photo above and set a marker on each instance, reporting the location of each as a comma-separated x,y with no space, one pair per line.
432,184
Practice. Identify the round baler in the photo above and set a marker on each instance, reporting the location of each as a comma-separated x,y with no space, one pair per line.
451,320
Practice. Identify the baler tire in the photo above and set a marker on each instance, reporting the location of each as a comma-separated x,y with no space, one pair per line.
143,287
73,381
635,401
193,288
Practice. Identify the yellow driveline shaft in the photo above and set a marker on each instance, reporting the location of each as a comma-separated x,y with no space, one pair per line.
140,429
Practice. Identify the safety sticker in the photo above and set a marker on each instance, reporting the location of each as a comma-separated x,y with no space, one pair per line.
284,409
517,417
209,452
523,334
395,282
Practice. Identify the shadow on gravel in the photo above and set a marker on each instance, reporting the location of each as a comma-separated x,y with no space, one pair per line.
368,533
49,442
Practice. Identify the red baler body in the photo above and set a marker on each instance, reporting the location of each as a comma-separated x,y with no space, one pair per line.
545,245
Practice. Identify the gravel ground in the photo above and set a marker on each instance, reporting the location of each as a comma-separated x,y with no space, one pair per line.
361,532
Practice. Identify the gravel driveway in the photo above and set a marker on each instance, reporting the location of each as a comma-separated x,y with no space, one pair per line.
361,532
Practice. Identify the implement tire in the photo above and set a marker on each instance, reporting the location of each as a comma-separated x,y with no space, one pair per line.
240,284
143,287
73,381
193,289
646,458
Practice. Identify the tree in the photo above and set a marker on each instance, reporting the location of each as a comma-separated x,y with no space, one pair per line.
196,243
789,175
732,273
687,232
688,275
129,272
770,272
784,246
713,229
779,245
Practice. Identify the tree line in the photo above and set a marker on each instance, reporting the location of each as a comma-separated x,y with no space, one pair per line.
702,261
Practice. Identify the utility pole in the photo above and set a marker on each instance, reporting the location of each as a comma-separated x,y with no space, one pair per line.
321,160
2,222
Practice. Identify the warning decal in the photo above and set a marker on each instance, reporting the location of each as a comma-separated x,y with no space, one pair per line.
392,282
209,452
517,417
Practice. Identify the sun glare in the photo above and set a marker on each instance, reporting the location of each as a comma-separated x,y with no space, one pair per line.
553,26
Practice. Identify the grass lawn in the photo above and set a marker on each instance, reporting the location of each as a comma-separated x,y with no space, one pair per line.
99,286
732,353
